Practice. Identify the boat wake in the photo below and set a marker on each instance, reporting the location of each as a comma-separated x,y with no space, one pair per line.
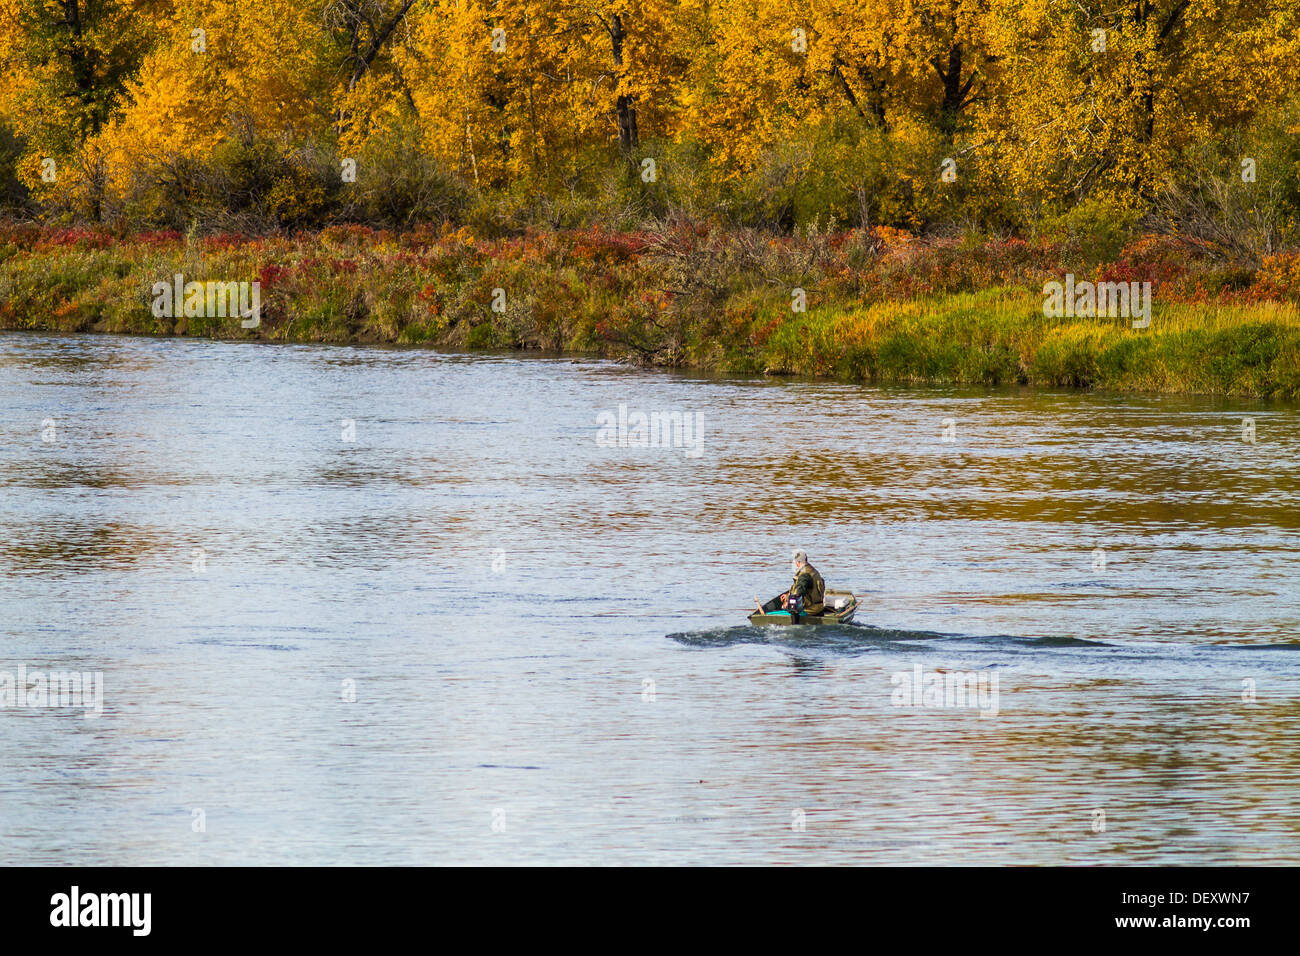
1130,657
844,637
863,638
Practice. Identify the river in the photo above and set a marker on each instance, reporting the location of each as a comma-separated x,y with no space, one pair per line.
390,606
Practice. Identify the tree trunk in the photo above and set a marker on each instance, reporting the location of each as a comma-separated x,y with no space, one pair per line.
955,87
624,106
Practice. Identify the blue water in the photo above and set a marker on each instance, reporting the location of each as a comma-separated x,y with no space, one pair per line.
463,630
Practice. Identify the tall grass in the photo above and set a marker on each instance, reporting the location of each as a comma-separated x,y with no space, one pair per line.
882,306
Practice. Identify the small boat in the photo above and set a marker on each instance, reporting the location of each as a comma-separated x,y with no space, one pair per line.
840,606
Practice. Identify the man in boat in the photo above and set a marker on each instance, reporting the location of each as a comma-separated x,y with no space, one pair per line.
807,593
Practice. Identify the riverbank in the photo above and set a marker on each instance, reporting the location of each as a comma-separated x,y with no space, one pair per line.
877,305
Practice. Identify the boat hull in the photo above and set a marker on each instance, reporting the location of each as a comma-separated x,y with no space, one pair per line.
832,615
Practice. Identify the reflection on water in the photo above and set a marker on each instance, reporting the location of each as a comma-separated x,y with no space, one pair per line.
464,631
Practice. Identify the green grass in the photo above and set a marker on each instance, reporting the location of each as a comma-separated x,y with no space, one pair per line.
1000,336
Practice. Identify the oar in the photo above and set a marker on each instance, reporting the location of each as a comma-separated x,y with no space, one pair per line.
759,604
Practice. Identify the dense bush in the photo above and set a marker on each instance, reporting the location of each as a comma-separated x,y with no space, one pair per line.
14,198
1241,189
258,186
842,173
